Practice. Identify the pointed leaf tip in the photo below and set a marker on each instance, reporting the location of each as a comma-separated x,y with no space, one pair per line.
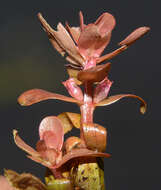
115,98
37,95
135,35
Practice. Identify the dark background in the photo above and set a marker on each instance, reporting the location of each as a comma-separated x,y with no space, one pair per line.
27,60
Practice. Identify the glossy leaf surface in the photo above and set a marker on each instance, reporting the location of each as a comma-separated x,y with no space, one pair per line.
101,91
37,95
51,131
78,153
113,99
95,136
95,37
135,35
95,74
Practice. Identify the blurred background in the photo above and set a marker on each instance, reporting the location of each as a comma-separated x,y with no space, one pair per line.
27,60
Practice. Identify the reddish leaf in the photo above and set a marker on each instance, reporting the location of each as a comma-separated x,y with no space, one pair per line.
111,55
95,74
95,37
101,91
37,95
69,120
51,131
33,154
113,99
135,35
72,142
95,136
74,90
76,153
74,32
21,144
62,41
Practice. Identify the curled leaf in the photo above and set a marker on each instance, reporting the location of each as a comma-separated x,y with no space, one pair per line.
95,136
135,35
72,142
21,144
69,120
78,153
113,99
24,181
33,154
37,95
95,74
51,131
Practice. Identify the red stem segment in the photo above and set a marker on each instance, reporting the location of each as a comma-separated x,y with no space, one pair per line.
87,108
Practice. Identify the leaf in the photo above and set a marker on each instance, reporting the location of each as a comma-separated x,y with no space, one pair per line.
113,99
51,131
135,35
33,154
95,74
73,74
24,181
78,153
37,95
74,32
111,55
69,120
101,90
95,37
95,136
72,142
22,145
74,90
62,41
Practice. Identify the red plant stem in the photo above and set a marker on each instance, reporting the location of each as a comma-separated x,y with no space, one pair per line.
87,108
57,173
